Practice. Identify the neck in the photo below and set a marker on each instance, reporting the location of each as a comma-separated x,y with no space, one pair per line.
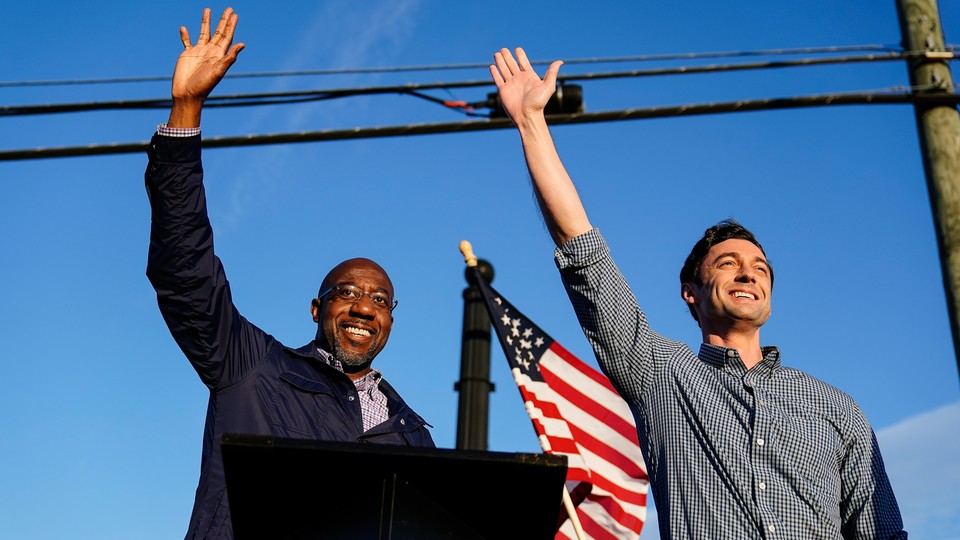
746,343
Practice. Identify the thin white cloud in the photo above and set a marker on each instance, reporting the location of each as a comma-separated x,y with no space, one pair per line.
345,34
342,34
922,457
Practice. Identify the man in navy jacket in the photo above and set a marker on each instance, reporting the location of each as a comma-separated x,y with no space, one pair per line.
325,390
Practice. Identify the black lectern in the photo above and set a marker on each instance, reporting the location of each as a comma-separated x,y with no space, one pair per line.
294,489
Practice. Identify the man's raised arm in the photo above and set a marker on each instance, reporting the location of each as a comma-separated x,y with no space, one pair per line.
193,293
524,96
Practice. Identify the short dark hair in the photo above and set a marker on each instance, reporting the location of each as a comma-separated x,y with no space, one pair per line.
727,229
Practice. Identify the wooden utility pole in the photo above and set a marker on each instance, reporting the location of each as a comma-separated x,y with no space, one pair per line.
939,129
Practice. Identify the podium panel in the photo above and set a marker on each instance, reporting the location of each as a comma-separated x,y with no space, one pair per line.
295,489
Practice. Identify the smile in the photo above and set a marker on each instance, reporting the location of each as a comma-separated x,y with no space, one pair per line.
355,331
741,294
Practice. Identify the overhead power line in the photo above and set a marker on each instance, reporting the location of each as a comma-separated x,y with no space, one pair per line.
356,71
502,123
273,98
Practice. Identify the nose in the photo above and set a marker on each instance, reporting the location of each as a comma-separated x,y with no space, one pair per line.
363,307
747,274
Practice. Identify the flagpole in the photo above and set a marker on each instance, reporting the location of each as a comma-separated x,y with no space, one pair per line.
468,257
572,513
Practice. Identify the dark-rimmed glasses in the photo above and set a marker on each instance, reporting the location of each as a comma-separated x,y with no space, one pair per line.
352,293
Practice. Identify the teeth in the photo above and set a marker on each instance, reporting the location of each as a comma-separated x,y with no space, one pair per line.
357,331
739,294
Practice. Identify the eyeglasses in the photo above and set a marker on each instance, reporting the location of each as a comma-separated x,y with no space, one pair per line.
352,293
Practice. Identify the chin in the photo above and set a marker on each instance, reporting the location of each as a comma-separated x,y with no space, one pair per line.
354,358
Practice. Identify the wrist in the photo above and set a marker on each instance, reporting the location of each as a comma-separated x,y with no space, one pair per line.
532,124
185,113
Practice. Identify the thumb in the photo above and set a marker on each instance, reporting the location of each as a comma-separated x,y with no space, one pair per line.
550,77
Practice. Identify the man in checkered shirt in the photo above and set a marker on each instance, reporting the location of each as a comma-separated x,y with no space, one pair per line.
736,444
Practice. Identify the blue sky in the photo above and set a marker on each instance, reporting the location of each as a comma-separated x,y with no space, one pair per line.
103,416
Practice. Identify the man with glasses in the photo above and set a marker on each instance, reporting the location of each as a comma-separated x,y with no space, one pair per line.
325,390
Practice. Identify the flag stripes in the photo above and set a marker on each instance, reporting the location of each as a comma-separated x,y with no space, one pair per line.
576,412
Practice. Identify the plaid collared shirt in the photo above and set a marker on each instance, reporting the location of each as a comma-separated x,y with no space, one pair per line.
373,402
769,452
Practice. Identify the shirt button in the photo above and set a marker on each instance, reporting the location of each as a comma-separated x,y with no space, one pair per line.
731,353
762,486
762,403
403,422
772,528
759,442
351,398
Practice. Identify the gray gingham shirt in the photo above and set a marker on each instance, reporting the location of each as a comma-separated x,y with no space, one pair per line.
769,452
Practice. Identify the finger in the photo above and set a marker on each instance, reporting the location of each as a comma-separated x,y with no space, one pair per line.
185,37
497,79
231,55
502,64
524,61
511,63
220,34
231,27
550,77
204,27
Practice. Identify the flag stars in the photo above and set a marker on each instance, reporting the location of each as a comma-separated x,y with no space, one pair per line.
525,343
522,362
514,332
527,333
538,342
505,320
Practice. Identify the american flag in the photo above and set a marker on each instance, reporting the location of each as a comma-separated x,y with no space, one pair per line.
577,413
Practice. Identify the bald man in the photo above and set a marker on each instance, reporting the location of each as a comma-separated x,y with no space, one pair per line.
325,390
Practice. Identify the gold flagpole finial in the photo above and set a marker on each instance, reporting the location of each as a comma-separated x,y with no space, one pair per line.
468,256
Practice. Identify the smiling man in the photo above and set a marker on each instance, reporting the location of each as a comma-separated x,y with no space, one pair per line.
736,444
726,282
325,390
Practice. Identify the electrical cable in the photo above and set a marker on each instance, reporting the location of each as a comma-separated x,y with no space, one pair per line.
922,98
355,71
273,98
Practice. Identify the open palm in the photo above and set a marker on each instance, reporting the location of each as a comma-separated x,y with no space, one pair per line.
521,90
200,67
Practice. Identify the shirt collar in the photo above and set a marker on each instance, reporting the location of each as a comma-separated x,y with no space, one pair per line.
370,379
728,359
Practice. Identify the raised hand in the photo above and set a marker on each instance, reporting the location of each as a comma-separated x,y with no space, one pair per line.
201,67
522,92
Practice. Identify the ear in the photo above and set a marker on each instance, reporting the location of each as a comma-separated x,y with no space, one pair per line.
315,309
688,293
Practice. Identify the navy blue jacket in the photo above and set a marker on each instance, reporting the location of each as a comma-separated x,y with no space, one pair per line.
257,385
